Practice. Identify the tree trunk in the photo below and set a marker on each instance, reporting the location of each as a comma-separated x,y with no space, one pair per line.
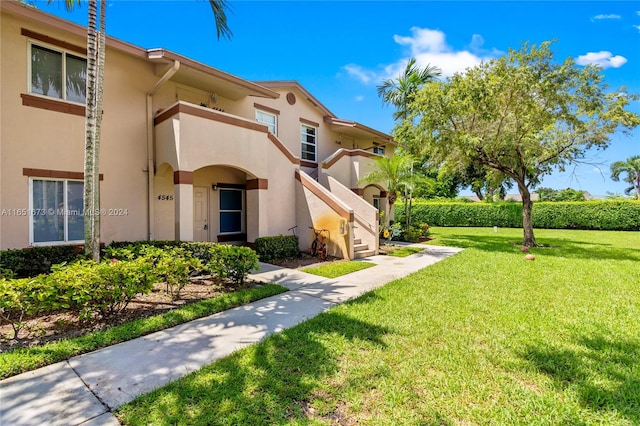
479,194
527,225
393,195
91,203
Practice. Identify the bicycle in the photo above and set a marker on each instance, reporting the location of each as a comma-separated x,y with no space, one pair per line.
319,245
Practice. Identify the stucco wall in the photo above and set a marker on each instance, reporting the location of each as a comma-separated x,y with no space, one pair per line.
37,138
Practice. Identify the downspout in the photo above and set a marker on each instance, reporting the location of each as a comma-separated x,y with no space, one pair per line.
150,157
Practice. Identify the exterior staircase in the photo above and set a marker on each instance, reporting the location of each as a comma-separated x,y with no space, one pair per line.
361,250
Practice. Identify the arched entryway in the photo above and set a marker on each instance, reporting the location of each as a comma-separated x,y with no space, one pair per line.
216,203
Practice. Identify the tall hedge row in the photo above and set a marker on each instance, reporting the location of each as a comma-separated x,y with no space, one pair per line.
596,215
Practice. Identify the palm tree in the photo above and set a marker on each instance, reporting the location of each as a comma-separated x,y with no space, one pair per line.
393,171
630,167
400,91
94,94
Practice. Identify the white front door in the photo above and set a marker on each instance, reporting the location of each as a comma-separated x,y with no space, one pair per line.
200,213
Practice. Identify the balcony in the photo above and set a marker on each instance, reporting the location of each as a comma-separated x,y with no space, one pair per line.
189,137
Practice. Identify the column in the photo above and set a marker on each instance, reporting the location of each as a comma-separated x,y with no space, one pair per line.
257,211
183,190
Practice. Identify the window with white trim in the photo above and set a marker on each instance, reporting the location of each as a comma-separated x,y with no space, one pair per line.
271,120
231,210
308,140
56,211
56,73
378,150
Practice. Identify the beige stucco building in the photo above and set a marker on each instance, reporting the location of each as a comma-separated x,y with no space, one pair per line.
188,152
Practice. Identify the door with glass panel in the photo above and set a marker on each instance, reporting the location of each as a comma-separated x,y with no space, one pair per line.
231,211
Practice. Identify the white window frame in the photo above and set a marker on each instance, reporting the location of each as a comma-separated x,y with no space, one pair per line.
241,211
32,212
273,128
64,52
303,140
378,150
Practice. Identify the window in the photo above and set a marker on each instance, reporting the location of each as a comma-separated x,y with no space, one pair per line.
378,150
231,210
56,211
271,120
58,74
376,202
308,139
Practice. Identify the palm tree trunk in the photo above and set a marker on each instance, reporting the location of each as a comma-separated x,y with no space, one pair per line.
91,196
101,48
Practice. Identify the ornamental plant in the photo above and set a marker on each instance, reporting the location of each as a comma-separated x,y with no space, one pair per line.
232,262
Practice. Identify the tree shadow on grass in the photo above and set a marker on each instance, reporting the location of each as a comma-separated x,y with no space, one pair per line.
601,371
559,247
268,383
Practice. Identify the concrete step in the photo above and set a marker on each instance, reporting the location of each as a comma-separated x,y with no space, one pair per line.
360,247
357,241
364,253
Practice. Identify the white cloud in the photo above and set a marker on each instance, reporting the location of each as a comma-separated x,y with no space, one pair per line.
429,47
359,98
360,73
477,41
603,58
637,27
423,40
603,16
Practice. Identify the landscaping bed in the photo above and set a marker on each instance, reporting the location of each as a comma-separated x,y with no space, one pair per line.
46,328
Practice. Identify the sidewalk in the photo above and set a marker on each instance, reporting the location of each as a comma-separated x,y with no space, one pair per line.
84,389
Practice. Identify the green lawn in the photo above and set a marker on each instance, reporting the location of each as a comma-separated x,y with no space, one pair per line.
483,337
405,251
337,269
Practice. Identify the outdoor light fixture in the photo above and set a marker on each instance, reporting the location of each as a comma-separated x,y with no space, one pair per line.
214,186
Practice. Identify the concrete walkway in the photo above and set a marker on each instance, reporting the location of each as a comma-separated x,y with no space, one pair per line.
84,389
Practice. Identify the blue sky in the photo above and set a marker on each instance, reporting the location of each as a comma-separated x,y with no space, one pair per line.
340,50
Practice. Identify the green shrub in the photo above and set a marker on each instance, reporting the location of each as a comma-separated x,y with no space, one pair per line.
199,249
277,247
7,273
416,232
598,215
595,215
104,288
171,265
117,283
232,262
33,261
19,298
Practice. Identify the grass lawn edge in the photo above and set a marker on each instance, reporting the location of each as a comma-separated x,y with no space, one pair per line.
22,360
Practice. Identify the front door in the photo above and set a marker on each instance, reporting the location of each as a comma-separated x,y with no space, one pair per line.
200,213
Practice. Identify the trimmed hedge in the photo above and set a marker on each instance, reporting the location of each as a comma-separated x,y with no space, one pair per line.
591,215
277,247
33,261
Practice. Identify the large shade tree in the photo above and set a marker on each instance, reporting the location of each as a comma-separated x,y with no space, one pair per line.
631,168
96,47
522,114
